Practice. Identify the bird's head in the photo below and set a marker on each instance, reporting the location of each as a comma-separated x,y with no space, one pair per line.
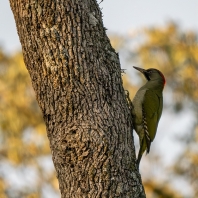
152,74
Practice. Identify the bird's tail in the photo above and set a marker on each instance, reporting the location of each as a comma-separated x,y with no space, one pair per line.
143,146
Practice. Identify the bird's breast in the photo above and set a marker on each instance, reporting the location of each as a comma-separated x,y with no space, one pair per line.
137,103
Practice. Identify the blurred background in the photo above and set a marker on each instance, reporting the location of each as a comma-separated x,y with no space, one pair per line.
160,34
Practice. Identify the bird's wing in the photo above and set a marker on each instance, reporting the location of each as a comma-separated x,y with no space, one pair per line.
152,107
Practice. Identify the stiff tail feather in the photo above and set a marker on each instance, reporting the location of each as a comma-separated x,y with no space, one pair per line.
143,147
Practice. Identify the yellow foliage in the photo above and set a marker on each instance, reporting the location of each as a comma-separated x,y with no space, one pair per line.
118,41
2,189
33,196
19,111
22,130
175,53
159,190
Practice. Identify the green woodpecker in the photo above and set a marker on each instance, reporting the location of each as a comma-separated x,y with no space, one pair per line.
147,108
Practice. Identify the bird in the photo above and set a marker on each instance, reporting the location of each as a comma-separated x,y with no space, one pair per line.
147,108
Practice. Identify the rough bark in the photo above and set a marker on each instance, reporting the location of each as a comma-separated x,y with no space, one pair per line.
77,80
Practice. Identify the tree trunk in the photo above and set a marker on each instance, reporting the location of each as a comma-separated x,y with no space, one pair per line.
77,80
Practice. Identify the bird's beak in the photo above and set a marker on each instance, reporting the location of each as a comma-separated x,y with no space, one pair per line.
140,69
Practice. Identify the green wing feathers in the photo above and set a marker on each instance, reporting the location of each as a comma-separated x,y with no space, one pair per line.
152,106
